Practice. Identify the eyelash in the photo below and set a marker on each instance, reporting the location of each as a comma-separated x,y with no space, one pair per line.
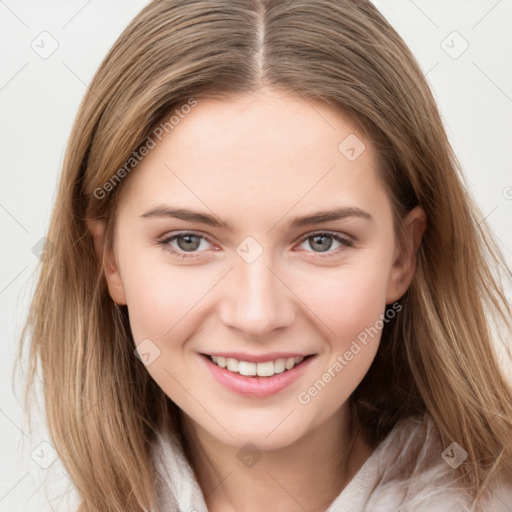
345,241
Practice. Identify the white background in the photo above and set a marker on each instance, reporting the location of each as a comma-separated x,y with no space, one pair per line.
39,99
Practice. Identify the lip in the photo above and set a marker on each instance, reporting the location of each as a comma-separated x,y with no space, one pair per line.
259,387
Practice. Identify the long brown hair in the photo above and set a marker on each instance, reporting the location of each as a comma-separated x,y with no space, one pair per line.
438,355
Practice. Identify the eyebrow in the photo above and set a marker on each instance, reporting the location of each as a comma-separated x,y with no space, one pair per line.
298,222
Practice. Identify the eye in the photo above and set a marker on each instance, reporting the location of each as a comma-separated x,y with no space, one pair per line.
185,244
322,242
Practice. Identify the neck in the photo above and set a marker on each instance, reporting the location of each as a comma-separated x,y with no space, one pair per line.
307,475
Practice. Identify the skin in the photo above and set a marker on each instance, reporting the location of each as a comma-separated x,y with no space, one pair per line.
259,161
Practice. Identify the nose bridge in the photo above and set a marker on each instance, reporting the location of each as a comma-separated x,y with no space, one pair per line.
256,300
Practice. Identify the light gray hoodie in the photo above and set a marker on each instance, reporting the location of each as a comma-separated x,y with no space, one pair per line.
382,484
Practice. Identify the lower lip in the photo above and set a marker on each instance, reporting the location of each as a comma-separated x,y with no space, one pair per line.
256,386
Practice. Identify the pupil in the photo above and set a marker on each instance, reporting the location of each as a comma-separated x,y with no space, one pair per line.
325,246
189,244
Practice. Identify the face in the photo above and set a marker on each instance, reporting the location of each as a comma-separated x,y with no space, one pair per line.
226,249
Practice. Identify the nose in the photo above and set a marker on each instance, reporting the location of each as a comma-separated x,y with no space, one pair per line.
256,300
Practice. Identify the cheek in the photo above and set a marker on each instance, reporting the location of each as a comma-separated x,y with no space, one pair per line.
165,305
348,307
162,298
346,301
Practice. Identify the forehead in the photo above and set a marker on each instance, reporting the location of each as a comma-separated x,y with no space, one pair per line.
264,152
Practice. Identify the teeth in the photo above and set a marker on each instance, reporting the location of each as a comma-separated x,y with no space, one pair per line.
245,368
266,369
279,366
290,363
232,364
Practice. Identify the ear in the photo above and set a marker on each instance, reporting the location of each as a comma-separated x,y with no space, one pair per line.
106,260
404,265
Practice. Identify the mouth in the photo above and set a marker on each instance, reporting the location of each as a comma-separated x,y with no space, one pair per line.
262,377
267,368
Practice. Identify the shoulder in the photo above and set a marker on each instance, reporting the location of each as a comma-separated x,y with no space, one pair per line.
176,487
414,473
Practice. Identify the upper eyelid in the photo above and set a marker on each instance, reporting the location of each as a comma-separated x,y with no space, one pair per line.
326,232
184,233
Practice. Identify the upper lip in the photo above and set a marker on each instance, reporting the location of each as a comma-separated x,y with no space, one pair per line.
257,358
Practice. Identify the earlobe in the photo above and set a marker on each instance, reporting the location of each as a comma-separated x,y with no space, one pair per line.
404,265
106,260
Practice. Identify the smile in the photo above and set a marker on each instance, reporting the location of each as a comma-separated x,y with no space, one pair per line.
262,378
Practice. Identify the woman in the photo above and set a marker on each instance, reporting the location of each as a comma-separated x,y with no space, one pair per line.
243,368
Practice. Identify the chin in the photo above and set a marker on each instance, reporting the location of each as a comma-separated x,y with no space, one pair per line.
269,434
